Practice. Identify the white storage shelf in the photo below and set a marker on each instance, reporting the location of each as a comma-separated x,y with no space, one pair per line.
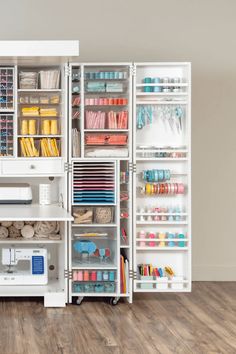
34,212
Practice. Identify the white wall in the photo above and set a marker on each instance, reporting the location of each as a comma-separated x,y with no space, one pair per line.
202,32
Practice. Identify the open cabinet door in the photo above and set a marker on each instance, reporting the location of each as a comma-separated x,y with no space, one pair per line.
162,178
100,121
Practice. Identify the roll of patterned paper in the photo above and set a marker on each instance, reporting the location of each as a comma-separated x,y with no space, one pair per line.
54,130
32,127
24,127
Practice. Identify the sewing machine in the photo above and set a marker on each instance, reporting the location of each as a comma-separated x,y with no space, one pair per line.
37,272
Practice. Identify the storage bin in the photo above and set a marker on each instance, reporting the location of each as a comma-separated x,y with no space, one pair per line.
179,285
109,287
99,288
146,285
162,283
78,287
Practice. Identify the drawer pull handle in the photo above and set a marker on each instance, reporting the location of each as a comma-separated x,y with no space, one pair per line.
32,167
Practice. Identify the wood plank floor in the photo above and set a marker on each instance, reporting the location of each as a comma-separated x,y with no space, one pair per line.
201,322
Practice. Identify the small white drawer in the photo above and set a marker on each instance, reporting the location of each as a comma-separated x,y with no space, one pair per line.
26,167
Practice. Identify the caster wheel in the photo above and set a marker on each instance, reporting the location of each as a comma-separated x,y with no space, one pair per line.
114,301
79,300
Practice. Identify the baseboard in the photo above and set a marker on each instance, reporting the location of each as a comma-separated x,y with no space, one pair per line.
214,273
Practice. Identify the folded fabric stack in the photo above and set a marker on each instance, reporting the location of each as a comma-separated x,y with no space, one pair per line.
95,139
108,152
28,148
30,111
49,79
95,120
49,147
118,139
114,87
28,80
118,120
96,87
55,99
102,139
48,112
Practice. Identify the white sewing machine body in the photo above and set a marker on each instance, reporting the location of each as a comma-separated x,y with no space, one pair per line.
37,273
15,193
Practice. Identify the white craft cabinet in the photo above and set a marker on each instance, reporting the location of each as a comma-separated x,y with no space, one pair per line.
35,168
120,155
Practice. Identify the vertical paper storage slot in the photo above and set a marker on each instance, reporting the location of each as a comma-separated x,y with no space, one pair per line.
93,183
6,134
6,88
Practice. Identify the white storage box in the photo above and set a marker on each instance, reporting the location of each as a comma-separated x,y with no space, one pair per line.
179,285
162,283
